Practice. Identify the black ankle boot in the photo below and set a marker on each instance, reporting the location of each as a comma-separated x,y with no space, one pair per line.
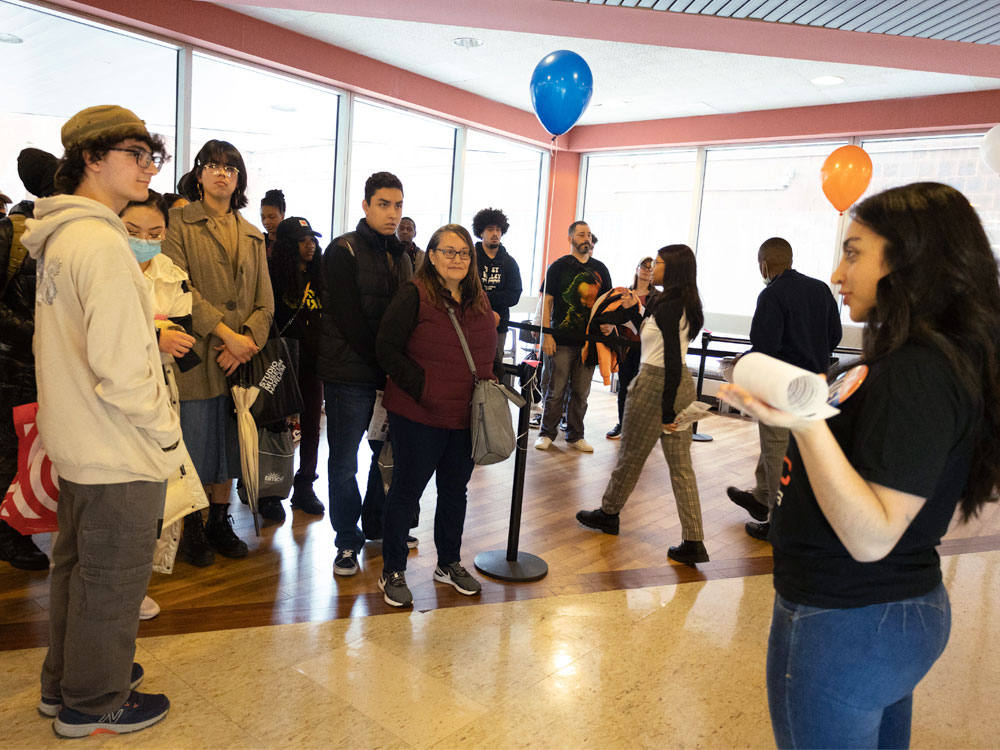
689,553
598,519
304,498
20,551
194,546
219,531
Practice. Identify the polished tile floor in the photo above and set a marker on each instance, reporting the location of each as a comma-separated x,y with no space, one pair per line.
663,666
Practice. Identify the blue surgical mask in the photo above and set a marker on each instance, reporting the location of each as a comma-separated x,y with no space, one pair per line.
144,249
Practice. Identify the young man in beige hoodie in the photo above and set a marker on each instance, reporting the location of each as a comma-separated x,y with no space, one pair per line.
105,420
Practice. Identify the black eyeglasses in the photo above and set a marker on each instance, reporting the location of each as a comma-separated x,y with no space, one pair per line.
450,253
142,158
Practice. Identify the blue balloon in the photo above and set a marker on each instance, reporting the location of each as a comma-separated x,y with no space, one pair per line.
561,88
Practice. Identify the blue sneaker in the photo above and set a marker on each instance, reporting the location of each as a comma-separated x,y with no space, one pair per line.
139,711
50,707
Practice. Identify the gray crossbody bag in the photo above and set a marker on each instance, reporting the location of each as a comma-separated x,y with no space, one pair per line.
491,425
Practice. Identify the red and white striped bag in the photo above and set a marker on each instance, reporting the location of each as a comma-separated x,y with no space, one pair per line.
31,501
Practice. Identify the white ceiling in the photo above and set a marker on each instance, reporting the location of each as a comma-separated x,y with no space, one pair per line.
631,81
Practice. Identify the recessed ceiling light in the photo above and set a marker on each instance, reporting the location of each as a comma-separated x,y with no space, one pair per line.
284,108
10,39
826,81
468,42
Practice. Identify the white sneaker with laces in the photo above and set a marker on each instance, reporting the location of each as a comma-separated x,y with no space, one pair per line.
543,443
148,609
583,446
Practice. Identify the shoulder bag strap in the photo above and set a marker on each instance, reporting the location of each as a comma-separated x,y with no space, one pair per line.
302,302
465,345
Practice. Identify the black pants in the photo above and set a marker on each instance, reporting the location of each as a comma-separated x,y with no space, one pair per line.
628,368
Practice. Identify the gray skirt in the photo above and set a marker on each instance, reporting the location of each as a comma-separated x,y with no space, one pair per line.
212,438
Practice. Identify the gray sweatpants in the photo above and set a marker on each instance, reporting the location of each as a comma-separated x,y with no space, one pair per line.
102,560
773,446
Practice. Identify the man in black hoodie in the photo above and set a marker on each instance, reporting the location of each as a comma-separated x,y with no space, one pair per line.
498,271
361,272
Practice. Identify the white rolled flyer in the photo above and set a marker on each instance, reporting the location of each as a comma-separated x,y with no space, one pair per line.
784,386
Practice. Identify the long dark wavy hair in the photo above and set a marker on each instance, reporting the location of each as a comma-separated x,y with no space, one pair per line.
942,290
285,276
680,281
470,286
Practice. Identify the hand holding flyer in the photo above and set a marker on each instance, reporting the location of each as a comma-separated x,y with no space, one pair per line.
693,412
784,386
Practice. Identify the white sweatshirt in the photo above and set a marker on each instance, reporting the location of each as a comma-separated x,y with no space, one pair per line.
103,410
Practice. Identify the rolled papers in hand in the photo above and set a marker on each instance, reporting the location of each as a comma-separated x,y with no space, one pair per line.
784,386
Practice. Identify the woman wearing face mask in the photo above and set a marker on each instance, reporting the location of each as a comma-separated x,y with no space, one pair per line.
661,390
272,213
860,612
146,223
232,308
297,283
427,395
628,366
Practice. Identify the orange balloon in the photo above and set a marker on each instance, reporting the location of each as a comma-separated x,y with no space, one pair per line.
846,174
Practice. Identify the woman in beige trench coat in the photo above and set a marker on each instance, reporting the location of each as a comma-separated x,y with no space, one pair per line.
223,255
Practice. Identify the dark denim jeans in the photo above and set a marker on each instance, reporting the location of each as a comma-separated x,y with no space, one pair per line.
348,412
418,452
844,677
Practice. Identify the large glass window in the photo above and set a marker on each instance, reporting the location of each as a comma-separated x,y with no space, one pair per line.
502,174
637,203
752,194
62,66
418,150
284,128
953,160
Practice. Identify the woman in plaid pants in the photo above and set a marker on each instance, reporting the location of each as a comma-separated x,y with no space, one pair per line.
663,387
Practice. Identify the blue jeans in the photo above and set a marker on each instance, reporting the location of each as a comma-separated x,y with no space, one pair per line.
348,412
844,677
419,451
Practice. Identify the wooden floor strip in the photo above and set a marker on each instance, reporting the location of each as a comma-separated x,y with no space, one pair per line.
288,576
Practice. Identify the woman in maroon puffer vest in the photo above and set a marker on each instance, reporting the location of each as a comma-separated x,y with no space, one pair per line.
428,395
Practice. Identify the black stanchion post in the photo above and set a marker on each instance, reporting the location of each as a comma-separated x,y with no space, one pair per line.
706,340
511,564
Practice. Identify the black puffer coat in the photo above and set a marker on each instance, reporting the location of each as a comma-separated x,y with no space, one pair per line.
17,316
362,270
17,327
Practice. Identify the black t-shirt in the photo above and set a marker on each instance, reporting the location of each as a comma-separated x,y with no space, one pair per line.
904,423
575,287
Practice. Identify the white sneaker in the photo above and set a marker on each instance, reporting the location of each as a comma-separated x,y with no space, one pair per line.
148,609
543,443
582,445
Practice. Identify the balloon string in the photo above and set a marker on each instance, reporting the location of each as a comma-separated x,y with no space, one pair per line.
548,232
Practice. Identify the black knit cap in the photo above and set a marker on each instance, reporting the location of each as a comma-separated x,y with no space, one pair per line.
37,170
